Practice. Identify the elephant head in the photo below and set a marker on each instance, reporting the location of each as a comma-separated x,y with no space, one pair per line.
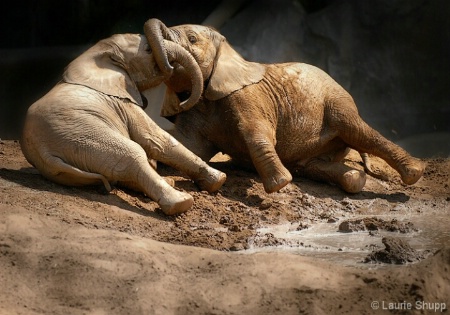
123,65
223,70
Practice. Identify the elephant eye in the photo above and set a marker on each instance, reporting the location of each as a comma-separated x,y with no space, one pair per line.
114,58
192,39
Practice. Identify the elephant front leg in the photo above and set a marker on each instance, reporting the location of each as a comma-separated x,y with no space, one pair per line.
127,163
267,163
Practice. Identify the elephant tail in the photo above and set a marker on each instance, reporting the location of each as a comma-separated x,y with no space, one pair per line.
370,169
57,170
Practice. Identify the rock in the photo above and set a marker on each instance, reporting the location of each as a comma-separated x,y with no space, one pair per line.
266,204
237,247
349,226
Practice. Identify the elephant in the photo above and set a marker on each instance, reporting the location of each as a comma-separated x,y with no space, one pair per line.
277,118
91,128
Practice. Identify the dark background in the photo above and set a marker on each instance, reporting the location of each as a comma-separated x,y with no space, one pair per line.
391,55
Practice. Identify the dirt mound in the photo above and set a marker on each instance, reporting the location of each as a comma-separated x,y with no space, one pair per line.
396,251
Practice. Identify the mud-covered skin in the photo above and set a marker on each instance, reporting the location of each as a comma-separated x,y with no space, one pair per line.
281,117
309,120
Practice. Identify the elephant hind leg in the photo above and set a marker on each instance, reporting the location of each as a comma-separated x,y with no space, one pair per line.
349,179
360,136
132,169
66,174
139,175
409,168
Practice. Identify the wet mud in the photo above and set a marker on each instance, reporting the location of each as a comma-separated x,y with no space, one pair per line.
396,251
376,224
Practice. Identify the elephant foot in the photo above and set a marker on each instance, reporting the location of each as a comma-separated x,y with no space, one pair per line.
412,171
353,181
275,184
175,202
210,179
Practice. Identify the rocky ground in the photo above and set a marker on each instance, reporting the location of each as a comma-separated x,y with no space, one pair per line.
83,251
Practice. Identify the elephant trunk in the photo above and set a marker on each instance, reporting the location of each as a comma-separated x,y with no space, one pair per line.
155,31
176,53
161,40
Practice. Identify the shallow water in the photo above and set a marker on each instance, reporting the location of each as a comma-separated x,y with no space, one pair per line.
324,241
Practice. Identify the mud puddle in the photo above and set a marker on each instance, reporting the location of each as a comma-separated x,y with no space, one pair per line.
328,241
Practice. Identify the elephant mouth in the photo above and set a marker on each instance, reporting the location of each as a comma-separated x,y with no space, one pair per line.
183,96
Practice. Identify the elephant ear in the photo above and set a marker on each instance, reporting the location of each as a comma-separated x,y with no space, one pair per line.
101,68
231,72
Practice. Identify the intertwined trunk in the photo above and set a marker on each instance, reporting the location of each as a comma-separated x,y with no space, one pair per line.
165,51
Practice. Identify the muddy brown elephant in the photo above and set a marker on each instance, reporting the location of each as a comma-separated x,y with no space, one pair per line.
280,118
90,128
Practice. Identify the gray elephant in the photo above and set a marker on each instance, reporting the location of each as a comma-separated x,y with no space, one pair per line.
90,128
280,118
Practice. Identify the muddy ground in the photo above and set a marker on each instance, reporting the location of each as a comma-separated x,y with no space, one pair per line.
66,250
